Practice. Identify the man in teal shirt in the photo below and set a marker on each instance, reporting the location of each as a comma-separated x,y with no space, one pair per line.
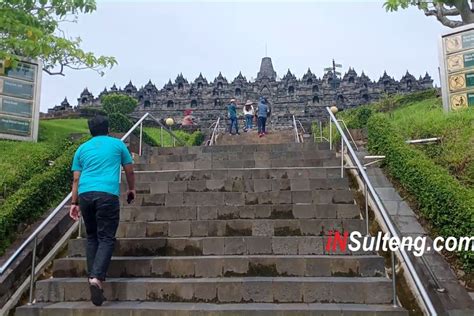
232,113
95,195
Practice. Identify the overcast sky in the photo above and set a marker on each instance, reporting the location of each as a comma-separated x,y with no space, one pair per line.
157,40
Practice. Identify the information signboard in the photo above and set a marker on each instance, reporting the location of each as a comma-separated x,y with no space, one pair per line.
456,52
20,89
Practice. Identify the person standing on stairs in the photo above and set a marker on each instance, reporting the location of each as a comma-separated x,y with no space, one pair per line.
249,113
95,195
232,114
262,112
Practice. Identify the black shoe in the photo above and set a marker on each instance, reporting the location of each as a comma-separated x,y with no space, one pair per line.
97,294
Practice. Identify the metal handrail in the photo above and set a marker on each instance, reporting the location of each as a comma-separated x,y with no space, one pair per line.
301,126
388,222
295,129
34,236
302,129
181,142
321,137
214,132
348,132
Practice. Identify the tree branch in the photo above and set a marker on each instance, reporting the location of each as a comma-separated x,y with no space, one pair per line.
440,12
464,11
60,73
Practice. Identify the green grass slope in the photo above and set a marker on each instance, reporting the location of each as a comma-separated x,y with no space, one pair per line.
421,115
19,161
427,119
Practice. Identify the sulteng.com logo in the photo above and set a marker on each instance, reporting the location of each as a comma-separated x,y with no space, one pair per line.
356,241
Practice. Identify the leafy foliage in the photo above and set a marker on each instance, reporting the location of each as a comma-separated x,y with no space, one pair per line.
32,29
443,200
118,103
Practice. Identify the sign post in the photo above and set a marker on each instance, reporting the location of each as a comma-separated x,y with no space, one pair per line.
20,89
456,53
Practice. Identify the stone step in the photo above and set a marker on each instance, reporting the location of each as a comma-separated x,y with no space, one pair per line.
206,309
220,266
238,185
244,198
273,136
223,164
238,227
239,174
258,155
283,211
238,148
197,246
366,290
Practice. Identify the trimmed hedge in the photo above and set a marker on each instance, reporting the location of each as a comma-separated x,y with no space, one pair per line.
442,199
42,191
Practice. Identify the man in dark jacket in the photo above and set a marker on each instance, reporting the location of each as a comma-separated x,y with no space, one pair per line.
262,112
95,195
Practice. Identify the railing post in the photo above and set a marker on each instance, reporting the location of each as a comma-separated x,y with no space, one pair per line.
161,135
79,230
366,209
330,134
33,268
141,139
342,157
321,131
394,282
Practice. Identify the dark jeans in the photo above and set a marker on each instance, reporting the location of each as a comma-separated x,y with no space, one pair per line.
101,213
248,121
262,121
234,122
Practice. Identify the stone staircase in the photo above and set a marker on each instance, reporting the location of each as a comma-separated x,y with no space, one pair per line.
235,230
251,137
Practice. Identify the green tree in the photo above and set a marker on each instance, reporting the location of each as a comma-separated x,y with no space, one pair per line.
32,29
118,103
451,13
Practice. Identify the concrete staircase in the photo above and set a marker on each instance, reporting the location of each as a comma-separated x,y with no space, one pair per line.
209,236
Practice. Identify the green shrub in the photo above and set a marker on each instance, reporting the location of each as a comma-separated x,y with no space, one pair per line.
362,117
196,139
118,103
442,199
119,123
39,193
